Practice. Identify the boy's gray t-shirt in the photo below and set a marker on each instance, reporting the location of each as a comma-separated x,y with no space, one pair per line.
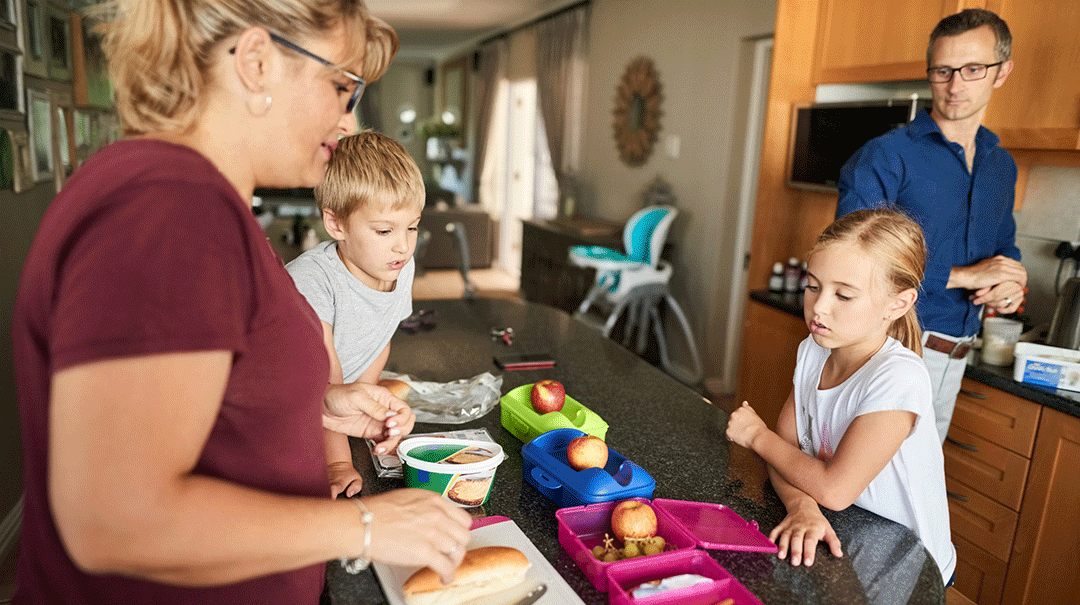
363,319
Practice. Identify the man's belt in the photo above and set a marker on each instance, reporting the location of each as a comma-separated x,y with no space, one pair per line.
952,348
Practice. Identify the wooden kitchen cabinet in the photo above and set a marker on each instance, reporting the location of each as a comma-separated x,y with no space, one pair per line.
988,455
770,345
859,41
1044,568
1038,107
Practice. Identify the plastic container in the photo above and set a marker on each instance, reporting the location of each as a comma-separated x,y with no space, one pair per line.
519,417
999,340
683,525
1048,366
459,469
621,579
543,462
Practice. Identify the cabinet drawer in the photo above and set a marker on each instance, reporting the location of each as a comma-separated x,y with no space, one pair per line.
988,468
980,576
997,416
981,520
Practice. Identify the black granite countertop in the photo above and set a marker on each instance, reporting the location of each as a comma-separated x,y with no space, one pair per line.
663,426
999,377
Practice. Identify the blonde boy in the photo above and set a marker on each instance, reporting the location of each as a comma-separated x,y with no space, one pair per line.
360,283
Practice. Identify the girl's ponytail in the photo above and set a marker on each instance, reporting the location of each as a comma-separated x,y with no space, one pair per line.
906,329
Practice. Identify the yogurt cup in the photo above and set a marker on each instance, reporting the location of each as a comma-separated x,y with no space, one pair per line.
461,470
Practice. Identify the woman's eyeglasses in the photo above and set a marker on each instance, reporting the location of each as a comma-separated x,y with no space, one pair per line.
359,90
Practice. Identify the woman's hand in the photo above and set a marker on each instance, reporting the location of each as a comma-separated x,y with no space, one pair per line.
800,532
344,479
417,527
744,424
367,411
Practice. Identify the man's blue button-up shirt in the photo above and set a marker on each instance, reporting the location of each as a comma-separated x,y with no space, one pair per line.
965,216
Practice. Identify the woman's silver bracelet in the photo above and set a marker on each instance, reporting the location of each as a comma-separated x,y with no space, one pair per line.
361,563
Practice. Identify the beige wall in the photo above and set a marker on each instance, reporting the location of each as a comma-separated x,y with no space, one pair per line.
698,48
406,82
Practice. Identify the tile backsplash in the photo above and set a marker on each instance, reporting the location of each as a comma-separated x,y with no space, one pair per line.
1050,214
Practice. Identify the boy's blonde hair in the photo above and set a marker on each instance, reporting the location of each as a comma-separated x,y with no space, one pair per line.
896,243
370,168
158,50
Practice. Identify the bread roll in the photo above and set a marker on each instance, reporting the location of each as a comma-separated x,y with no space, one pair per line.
484,571
398,388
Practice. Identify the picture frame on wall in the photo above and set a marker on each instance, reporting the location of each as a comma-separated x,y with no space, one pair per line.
11,81
39,122
8,15
89,70
58,31
20,147
35,51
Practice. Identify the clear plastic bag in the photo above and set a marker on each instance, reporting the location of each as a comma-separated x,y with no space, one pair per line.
454,402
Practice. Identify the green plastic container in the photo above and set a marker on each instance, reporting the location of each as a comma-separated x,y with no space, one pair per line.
461,470
519,417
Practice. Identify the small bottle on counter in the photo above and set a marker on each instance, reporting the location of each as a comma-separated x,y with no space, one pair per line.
776,280
792,275
802,278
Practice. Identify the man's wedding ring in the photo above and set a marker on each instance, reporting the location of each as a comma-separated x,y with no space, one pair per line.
453,549
1008,301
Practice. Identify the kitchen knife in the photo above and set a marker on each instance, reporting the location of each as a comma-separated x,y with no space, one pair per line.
532,596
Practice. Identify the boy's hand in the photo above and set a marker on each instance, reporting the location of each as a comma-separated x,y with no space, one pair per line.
344,478
743,425
800,532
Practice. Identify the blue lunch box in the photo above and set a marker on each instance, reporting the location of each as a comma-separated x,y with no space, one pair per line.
545,468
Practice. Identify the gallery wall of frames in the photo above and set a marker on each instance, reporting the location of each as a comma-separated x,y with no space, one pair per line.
55,98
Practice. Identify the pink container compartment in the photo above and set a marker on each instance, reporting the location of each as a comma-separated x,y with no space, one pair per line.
684,526
623,578
583,527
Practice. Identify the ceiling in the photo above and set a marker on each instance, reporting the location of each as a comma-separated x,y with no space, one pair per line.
435,28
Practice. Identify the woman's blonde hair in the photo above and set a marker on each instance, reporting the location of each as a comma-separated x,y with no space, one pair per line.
370,169
159,50
896,243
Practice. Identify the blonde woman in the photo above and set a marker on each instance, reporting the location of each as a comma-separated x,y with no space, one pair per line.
171,378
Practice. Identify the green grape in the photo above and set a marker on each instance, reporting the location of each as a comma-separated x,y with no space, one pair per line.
598,551
651,548
610,557
632,550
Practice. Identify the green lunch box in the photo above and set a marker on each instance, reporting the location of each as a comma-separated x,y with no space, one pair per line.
519,417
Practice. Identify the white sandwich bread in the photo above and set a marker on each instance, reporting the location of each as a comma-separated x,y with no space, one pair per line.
484,571
397,388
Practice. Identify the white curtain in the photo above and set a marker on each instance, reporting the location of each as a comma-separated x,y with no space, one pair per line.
491,70
561,49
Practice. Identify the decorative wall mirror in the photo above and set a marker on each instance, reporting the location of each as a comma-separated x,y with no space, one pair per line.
637,111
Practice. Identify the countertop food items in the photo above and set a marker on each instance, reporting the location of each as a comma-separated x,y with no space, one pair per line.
397,388
484,571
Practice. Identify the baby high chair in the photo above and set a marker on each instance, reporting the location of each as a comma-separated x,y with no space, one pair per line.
636,281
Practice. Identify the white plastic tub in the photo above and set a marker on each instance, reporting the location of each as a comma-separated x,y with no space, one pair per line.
1047,366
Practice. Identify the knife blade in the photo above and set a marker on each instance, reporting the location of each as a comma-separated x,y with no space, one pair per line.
532,596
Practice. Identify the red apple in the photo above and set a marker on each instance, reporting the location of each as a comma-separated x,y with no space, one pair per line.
586,451
547,396
633,519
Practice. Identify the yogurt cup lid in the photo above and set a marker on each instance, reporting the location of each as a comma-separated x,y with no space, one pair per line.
451,456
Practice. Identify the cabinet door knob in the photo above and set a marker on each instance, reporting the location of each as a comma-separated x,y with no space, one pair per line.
956,496
971,448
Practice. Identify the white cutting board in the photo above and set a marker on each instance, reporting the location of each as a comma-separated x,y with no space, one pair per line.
505,533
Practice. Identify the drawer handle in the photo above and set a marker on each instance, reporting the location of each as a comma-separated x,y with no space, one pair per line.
956,496
972,394
970,448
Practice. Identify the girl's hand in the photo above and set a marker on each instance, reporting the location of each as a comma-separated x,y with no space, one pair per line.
800,532
344,478
744,424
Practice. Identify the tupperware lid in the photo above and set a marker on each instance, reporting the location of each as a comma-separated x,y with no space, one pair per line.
447,455
715,526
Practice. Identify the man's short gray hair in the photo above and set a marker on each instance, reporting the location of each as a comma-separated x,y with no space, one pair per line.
967,20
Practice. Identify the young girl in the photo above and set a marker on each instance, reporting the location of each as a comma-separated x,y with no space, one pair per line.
858,427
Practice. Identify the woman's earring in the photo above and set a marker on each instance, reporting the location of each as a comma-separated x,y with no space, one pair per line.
259,112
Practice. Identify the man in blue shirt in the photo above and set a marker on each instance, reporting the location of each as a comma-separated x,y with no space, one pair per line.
947,172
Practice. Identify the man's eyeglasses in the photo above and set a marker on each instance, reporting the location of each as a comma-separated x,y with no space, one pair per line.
968,73
359,90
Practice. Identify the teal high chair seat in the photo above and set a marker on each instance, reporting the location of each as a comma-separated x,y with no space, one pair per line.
635,282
